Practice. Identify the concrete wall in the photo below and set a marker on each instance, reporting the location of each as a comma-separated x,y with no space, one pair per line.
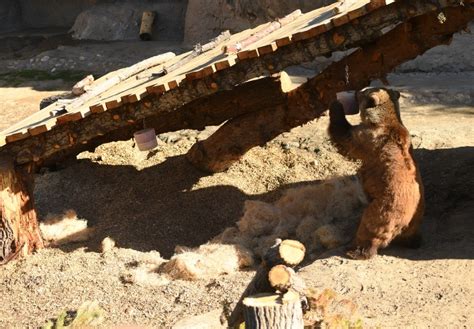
105,17
52,13
10,15
189,20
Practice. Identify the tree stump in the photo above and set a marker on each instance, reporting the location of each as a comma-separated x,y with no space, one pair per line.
19,231
273,311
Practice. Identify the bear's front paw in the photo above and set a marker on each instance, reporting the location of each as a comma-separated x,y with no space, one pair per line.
336,111
361,253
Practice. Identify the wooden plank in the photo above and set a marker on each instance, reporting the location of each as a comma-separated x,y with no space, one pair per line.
113,104
173,84
125,99
223,65
68,118
311,33
201,73
356,13
133,98
282,42
96,108
340,20
375,4
207,71
16,137
157,89
267,49
38,130
246,54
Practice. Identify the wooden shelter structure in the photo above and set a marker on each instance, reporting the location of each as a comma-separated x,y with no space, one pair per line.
234,79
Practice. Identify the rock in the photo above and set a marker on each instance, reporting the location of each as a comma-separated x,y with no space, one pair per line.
120,20
210,320
45,59
108,244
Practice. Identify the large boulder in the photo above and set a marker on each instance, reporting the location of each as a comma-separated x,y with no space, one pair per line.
107,22
121,20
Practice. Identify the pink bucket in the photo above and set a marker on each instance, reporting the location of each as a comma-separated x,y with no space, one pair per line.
348,101
146,139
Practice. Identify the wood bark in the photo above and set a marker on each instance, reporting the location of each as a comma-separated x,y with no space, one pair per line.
273,311
19,232
307,102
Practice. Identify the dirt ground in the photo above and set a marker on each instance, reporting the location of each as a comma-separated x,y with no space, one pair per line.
153,202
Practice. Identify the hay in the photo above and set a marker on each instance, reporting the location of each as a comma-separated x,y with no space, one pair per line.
64,228
209,260
322,215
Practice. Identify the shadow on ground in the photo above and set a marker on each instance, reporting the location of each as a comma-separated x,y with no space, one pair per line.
155,209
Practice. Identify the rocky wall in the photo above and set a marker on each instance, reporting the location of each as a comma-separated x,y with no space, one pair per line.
207,18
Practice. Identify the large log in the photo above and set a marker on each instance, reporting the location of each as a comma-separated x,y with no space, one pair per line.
307,102
19,232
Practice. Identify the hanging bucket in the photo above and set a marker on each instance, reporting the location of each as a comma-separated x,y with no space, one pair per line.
348,101
145,139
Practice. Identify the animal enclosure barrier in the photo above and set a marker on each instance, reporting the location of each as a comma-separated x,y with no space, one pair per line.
236,79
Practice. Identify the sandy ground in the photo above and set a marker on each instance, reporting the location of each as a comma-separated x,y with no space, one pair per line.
157,201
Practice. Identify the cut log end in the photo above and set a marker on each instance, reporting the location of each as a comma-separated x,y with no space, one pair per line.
280,277
292,252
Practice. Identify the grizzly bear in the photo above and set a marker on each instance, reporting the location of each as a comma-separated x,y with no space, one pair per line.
389,174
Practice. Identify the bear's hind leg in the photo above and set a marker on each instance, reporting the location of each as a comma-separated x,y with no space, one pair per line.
410,237
375,231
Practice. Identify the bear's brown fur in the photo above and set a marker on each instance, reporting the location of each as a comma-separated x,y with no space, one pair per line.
389,174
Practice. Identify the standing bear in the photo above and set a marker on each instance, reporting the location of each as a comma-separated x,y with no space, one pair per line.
389,174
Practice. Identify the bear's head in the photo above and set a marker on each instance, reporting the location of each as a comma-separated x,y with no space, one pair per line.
379,106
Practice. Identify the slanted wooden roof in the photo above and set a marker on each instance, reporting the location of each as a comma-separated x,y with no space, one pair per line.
293,40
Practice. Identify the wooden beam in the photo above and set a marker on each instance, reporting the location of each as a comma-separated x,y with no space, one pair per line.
55,142
231,141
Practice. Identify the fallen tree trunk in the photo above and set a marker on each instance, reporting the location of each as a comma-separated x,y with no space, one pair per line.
19,232
307,102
